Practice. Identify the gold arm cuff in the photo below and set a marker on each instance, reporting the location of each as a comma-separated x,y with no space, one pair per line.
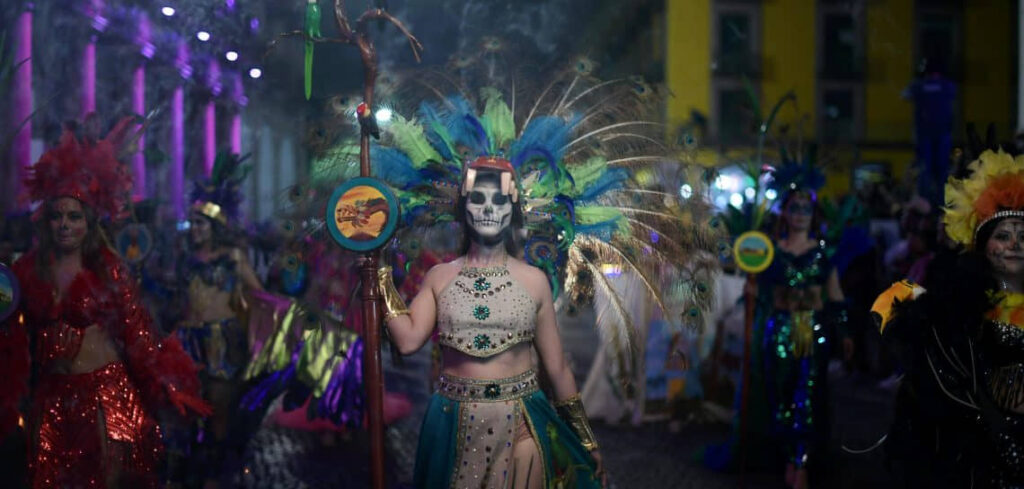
571,411
394,306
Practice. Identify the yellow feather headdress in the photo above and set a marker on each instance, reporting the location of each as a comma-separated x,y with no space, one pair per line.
995,189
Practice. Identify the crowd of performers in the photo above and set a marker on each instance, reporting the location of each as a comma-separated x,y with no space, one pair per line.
135,373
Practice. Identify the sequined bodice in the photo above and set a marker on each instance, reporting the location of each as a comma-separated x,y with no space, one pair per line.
219,272
797,280
484,312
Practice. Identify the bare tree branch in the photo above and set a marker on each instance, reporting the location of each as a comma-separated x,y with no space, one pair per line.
372,14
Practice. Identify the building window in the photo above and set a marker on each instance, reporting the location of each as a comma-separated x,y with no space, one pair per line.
736,36
938,41
841,49
839,119
734,116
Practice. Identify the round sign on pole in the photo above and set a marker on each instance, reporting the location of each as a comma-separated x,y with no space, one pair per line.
362,214
753,251
134,242
10,293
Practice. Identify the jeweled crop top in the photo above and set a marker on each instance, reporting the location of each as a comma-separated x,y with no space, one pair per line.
484,312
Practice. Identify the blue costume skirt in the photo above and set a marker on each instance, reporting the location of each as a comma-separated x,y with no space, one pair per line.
220,347
471,427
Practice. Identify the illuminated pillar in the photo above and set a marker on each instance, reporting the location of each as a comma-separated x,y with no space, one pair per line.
21,151
139,103
177,176
236,118
94,10
210,118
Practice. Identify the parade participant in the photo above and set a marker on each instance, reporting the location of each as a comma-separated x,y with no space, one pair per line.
489,423
799,312
215,277
959,419
547,205
100,371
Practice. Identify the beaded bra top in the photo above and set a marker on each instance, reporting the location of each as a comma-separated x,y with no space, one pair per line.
484,312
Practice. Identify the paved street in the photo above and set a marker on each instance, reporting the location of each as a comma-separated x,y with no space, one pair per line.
645,457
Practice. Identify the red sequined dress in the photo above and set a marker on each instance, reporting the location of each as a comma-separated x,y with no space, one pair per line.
91,429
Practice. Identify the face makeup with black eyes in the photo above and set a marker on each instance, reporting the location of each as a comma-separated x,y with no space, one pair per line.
1005,250
68,224
488,211
798,212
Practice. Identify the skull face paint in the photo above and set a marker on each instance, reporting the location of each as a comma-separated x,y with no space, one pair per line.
1005,249
488,211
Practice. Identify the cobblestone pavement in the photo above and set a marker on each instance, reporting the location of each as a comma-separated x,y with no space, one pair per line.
649,456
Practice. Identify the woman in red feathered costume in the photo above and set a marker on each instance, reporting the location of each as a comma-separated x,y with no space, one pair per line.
99,372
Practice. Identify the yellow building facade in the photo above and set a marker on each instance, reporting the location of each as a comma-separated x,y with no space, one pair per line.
848,64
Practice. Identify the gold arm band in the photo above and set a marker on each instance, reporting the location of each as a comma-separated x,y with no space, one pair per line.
394,306
571,411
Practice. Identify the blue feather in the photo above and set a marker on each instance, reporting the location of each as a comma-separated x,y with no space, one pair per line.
393,166
431,119
545,135
601,230
612,179
464,128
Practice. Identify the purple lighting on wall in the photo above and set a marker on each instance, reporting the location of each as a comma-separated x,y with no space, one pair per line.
21,152
181,62
139,107
178,152
89,77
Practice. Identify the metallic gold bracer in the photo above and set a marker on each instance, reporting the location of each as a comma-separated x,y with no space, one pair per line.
571,411
394,306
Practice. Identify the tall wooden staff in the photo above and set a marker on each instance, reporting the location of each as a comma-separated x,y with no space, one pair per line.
359,38
753,252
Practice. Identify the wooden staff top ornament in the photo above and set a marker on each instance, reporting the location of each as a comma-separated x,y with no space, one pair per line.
362,214
134,242
753,252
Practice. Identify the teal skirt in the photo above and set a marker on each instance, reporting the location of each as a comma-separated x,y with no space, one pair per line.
448,423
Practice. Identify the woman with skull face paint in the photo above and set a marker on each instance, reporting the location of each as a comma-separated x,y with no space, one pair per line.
99,372
959,419
489,425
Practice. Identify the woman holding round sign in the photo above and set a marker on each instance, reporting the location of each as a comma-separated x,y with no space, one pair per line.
98,370
800,311
542,205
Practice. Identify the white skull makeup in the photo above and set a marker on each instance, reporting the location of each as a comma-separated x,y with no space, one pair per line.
488,211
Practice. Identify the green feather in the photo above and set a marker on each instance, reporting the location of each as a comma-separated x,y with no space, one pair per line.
586,173
312,31
497,119
593,214
409,138
337,164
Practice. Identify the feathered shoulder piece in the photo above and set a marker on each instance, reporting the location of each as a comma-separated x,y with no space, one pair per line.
994,189
793,175
219,197
86,169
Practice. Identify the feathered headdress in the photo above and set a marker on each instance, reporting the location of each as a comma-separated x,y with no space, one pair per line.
571,156
994,189
86,169
219,197
793,175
